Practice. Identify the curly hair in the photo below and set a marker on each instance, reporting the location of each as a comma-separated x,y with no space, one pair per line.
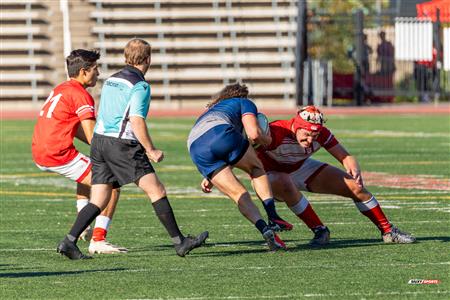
235,90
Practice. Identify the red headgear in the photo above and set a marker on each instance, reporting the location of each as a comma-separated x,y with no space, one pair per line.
309,118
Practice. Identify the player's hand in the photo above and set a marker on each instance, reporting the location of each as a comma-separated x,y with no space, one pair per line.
356,174
155,155
266,140
206,186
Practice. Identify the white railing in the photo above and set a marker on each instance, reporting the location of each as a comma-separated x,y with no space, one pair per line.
413,39
446,49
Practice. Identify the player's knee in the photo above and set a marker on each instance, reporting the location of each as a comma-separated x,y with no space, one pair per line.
241,197
257,171
282,186
157,192
237,193
359,193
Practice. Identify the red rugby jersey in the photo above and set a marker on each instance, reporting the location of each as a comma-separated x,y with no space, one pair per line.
285,154
68,104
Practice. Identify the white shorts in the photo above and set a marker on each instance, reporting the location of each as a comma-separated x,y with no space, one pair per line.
307,172
76,170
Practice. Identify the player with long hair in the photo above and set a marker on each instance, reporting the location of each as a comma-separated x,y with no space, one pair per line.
216,145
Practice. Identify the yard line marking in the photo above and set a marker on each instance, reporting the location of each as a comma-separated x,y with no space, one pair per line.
24,193
330,295
293,296
423,163
314,266
244,225
25,175
421,182
26,249
388,133
447,210
173,194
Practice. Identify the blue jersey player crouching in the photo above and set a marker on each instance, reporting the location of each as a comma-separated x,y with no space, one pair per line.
122,149
216,145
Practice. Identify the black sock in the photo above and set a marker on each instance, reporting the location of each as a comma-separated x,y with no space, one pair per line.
261,225
165,214
269,206
84,218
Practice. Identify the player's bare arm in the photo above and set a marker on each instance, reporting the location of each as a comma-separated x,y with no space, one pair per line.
85,131
140,130
254,132
349,162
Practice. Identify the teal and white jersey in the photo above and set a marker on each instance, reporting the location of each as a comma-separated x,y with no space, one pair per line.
124,94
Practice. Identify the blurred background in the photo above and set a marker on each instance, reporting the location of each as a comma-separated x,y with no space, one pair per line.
340,52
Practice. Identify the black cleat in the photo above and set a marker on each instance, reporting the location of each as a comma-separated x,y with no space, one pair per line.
190,243
321,237
70,250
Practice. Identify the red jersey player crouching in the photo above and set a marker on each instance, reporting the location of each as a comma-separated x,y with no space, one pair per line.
291,170
68,113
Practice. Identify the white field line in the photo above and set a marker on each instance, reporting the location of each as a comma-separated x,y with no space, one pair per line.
296,296
204,212
387,133
243,225
185,193
311,266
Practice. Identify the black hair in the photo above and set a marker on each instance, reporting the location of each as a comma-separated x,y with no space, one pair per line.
80,59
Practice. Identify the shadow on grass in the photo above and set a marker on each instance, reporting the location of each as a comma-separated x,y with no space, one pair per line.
339,244
258,246
44,274
443,239
10,268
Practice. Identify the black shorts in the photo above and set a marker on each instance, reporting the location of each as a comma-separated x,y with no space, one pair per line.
118,161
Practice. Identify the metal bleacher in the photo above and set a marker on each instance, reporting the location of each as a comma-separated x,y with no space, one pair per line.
200,45
25,65
197,45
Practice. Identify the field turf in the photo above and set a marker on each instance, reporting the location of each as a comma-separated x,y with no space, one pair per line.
37,210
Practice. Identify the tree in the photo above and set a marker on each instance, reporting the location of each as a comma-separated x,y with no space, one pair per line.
331,29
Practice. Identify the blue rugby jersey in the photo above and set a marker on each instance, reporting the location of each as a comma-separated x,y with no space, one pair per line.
124,94
228,111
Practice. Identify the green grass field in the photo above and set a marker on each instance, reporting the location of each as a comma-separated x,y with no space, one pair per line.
37,210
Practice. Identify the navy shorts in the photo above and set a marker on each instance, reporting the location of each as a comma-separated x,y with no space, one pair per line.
218,147
118,161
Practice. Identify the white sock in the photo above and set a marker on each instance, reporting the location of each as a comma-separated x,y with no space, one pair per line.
367,205
301,205
102,222
81,203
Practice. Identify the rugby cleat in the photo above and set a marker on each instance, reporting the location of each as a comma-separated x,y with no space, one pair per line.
273,241
86,235
398,237
190,243
280,225
280,242
104,247
70,250
321,237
